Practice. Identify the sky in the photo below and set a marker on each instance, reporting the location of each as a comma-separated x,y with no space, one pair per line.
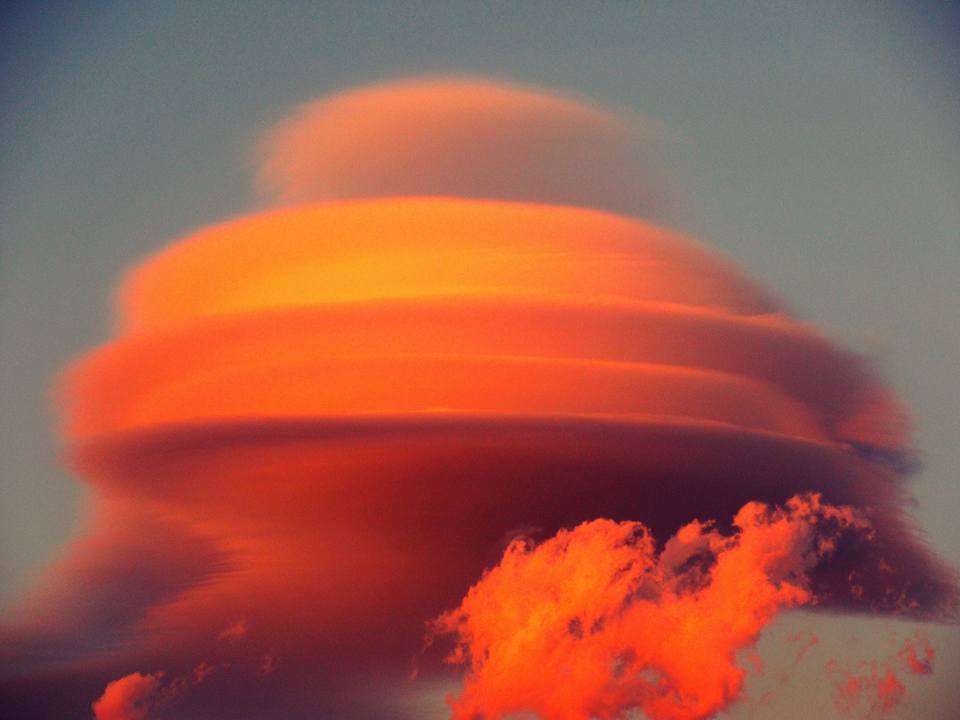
815,144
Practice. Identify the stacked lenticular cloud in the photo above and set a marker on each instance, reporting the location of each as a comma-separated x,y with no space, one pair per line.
333,414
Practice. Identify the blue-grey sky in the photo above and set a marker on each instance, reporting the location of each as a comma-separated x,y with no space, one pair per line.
818,143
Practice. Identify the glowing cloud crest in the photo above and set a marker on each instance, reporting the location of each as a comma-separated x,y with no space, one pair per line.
595,622
323,421
128,698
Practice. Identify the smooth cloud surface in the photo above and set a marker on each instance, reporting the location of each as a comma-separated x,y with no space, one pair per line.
476,139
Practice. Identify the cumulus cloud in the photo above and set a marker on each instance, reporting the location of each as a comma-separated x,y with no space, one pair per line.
128,698
596,622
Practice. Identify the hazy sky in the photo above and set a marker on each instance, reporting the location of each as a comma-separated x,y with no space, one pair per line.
816,143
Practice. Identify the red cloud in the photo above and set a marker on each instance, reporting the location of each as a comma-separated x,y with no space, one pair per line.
917,653
128,698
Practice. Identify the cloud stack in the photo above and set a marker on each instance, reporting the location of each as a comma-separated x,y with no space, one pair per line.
321,422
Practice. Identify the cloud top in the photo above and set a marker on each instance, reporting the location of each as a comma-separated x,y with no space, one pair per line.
462,137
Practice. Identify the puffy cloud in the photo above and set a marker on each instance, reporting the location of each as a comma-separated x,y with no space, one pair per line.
128,698
596,622
139,696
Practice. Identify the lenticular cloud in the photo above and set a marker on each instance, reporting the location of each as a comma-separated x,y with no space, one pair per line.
456,138
322,422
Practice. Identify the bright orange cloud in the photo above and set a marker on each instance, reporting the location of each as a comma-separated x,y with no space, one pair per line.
596,622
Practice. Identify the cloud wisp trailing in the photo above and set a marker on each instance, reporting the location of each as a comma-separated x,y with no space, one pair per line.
872,689
319,424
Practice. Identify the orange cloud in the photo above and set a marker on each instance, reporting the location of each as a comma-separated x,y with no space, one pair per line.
327,418
595,621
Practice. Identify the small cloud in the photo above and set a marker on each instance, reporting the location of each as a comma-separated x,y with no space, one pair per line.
129,698
235,631
917,653
872,690
201,671
268,663
465,137
806,640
